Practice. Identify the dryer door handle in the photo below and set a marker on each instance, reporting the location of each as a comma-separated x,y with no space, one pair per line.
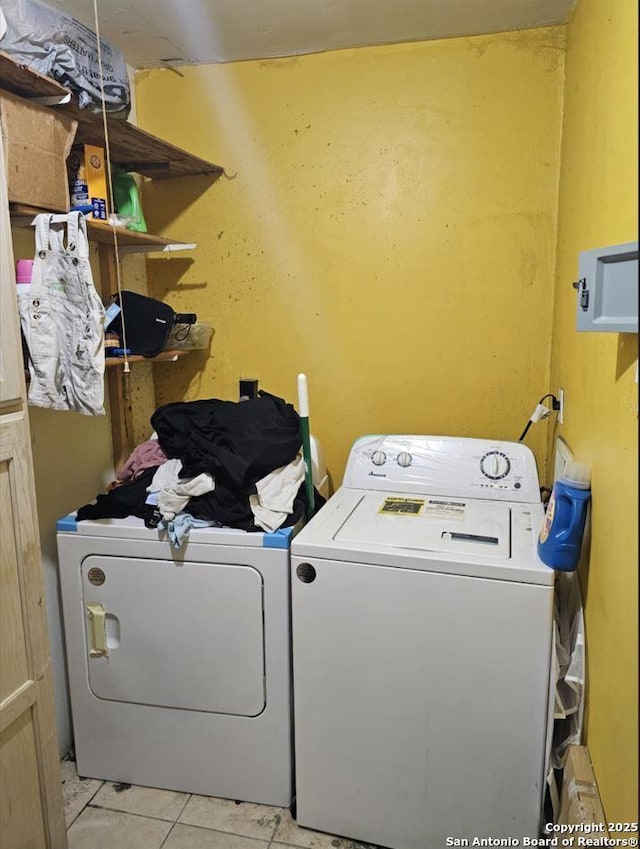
97,631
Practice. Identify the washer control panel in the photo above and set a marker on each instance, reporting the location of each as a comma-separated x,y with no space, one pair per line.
444,465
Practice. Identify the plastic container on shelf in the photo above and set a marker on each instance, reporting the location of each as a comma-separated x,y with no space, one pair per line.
193,338
560,541
24,269
127,200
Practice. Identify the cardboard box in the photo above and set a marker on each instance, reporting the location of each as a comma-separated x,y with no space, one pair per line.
580,801
88,180
37,142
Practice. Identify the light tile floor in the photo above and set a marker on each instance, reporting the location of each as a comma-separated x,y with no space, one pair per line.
102,815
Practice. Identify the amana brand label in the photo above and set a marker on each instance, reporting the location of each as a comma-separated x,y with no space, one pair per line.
402,506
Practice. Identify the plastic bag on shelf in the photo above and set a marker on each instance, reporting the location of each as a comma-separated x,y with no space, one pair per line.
58,46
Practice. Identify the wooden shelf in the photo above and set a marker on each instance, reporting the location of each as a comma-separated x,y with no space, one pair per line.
102,233
164,357
129,241
25,82
135,150
130,147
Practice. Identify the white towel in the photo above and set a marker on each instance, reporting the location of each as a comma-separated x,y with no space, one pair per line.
276,493
175,492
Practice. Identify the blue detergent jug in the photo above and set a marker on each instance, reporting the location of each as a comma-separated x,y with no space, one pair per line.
560,539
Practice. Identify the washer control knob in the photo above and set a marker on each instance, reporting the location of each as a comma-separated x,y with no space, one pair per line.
495,465
378,458
404,459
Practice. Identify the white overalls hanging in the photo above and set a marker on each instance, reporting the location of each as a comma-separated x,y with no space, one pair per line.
63,320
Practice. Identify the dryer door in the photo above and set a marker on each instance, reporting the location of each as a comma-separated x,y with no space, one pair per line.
180,635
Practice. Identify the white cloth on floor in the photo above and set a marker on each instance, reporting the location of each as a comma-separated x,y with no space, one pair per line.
174,492
276,493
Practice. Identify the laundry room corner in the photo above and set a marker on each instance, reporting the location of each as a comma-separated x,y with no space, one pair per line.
393,243
287,558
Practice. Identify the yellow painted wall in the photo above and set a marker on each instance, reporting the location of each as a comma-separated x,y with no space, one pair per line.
598,206
387,226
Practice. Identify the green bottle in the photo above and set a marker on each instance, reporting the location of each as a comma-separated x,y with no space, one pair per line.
127,200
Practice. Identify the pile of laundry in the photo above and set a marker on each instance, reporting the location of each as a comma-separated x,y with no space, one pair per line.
213,462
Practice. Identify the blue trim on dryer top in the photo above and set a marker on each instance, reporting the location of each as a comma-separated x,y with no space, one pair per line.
67,524
278,539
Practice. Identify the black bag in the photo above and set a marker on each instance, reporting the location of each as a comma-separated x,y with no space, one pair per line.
147,323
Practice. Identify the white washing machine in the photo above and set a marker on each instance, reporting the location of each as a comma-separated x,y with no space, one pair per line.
422,635
179,661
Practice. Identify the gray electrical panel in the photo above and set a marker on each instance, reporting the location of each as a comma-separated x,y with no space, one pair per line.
608,289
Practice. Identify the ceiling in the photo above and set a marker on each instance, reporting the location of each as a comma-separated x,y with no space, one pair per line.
159,32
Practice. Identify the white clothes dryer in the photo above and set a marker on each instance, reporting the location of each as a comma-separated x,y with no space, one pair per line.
179,660
422,636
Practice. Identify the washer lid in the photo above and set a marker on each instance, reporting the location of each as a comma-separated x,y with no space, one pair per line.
428,523
350,529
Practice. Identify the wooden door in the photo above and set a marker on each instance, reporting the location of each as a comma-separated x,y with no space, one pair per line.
31,814
11,381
